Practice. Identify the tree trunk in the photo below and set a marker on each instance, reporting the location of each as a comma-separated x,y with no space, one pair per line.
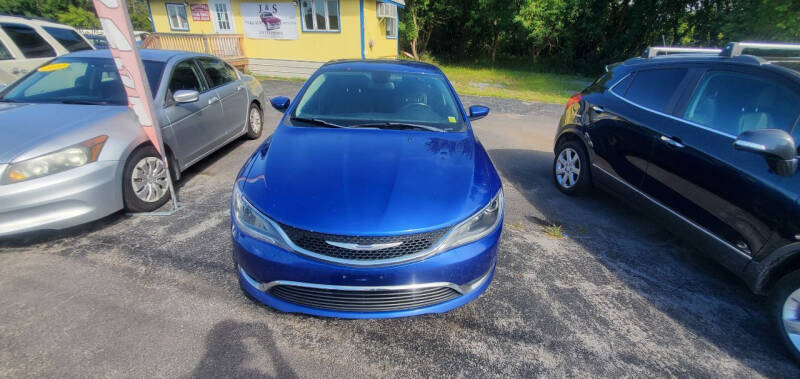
415,40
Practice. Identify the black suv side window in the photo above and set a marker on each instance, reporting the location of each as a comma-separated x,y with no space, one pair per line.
734,102
654,89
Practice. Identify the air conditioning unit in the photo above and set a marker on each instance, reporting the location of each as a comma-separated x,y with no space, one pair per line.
386,10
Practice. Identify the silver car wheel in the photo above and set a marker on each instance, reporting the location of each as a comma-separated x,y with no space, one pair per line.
255,120
791,318
568,168
149,179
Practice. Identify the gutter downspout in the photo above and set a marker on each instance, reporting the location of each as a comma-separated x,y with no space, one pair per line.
361,9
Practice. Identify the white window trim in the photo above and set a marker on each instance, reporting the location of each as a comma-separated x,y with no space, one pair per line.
211,5
316,29
169,18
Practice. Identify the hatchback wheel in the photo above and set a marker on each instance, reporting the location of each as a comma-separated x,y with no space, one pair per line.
786,312
255,123
144,186
570,168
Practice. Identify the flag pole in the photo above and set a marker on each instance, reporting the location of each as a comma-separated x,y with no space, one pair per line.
116,23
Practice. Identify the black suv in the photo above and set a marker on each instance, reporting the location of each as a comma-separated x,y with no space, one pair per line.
707,142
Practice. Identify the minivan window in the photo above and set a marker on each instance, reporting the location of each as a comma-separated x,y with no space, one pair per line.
654,89
4,53
733,102
28,41
71,40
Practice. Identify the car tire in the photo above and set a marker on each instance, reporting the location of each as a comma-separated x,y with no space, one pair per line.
144,186
255,121
571,173
785,302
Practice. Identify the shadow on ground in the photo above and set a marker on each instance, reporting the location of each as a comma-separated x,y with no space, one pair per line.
679,281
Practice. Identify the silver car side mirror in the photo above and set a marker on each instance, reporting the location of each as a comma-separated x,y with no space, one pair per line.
186,96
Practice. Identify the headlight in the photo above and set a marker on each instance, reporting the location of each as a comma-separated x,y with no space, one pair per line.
251,221
478,225
70,157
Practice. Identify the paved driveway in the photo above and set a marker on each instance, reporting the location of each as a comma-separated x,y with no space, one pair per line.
157,296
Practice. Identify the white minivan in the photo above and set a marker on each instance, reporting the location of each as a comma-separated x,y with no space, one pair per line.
26,43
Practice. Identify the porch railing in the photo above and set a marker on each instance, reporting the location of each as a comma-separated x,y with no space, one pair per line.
225,46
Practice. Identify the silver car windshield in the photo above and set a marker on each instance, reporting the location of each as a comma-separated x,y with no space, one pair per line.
77,81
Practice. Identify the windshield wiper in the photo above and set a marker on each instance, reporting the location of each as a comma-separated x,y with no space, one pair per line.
320,122
398,125
7,101
84,102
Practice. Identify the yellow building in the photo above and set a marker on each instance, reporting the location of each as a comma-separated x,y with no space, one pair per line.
289,38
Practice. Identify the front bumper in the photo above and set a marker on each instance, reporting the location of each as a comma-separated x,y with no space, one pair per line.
467,269
60,200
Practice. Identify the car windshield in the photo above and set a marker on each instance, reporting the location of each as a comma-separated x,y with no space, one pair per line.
77,81
380,98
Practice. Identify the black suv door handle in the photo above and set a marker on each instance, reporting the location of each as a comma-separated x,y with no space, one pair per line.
671,141
597,109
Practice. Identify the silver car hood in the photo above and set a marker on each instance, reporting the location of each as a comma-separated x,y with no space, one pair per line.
24,125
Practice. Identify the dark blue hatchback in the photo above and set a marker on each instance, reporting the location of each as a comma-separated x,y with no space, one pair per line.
372,199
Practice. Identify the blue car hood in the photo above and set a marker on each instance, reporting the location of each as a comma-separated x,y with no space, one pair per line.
370,182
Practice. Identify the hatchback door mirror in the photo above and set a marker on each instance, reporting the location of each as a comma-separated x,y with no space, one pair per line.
477,112
777,146
281,103
186,96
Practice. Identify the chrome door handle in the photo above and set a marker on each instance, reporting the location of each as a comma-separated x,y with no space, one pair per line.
597,109
671,142
213,100
17,71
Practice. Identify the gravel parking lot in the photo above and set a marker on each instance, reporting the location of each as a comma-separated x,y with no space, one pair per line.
157,296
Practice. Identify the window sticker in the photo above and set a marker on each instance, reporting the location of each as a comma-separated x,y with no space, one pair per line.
53,67
451,119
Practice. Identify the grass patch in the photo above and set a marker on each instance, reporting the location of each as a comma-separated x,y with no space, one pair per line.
268,77
513,83
555,231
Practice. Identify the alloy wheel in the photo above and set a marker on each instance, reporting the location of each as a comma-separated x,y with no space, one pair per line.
149,179
568,168
255,120
791,318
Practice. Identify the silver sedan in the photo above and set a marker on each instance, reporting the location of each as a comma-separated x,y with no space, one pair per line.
72,151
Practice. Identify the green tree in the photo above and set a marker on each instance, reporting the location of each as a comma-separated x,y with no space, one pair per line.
79,18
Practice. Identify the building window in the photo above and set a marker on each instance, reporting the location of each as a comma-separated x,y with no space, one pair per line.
176,13
320,15
388,14
222,16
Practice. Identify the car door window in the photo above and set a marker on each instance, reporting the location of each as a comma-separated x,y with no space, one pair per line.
4,53
217,71
28,41
734,102
655,89
185,77
71,40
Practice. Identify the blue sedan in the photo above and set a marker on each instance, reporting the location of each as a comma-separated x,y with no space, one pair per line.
372,199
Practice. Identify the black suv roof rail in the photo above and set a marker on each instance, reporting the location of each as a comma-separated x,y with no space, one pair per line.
735,49
654,51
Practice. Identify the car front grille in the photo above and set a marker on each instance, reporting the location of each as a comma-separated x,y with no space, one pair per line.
410,244
364,301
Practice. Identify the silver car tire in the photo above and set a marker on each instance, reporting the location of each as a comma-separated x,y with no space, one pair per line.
571,173
144,183
255,121
786,312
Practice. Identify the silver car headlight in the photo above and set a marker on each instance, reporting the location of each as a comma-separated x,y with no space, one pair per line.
477,226
69,157
254,223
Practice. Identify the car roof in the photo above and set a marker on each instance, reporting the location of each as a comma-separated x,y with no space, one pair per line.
638,63
381,65
31,21
146,54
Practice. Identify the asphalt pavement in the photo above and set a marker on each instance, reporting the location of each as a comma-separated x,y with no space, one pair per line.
149,296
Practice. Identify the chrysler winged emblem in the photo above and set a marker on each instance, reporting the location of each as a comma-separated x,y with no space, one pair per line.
355,246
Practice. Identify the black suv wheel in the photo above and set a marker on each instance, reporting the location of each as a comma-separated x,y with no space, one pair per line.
786,312
571,168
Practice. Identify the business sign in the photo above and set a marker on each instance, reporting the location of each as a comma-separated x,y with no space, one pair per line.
270,20
200,12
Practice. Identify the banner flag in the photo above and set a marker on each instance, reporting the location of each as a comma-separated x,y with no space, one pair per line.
116,22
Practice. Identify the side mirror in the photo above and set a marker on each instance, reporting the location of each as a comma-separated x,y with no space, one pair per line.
186,96
477,112
777,146
281,103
